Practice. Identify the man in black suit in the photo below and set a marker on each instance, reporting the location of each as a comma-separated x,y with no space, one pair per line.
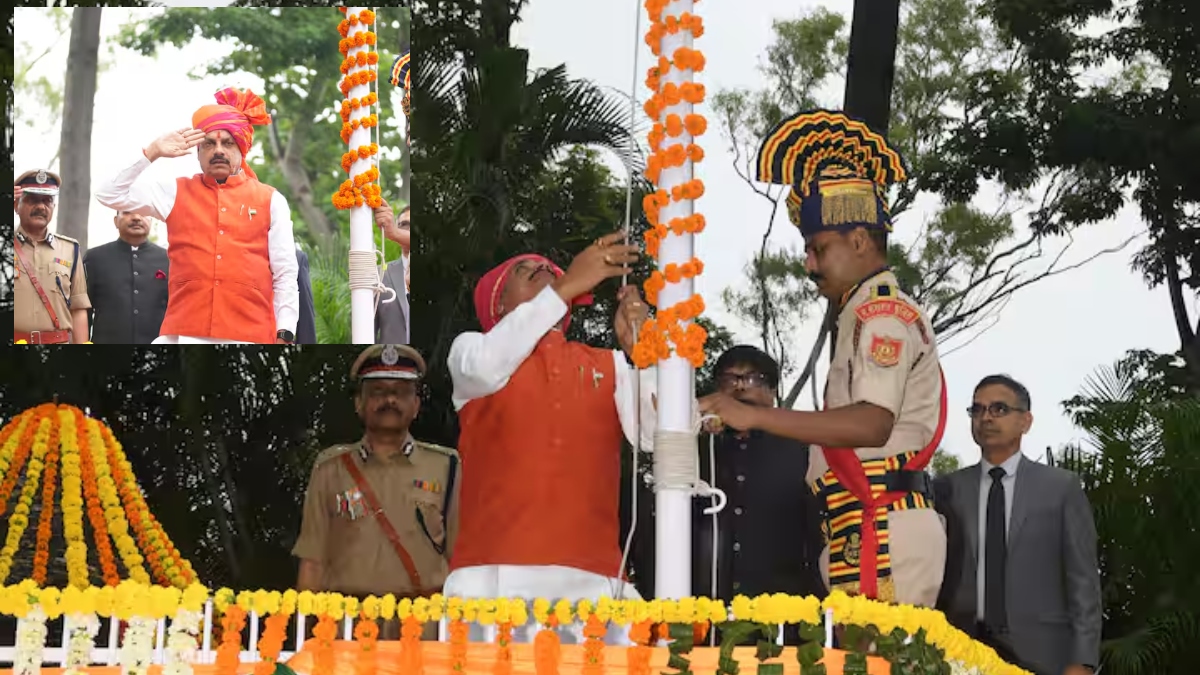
763,477
306,327
127,283
1022,573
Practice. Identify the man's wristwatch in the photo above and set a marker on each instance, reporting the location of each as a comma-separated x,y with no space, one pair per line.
287,336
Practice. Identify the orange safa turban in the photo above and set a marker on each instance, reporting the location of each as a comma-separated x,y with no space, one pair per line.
237,112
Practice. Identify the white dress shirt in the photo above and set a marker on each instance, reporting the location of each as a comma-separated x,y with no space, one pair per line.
481,365
156,199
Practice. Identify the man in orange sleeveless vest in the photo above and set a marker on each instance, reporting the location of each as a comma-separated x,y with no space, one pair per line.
233,257
541,426
885,399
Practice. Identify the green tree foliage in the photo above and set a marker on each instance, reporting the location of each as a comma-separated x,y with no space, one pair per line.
1141,471
1108,110
966,263
944,463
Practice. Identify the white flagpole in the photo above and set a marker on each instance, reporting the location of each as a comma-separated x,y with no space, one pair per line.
362,245
676,377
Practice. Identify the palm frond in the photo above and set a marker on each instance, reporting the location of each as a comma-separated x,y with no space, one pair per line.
329,273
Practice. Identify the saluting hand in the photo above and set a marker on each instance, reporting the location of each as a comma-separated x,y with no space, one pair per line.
174,143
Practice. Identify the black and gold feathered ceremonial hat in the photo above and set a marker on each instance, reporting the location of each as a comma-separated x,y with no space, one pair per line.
400,70
837,168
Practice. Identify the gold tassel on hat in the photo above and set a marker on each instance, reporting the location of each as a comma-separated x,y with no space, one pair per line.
848,202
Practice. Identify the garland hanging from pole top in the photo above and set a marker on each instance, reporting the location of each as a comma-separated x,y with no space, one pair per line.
358,69
660,336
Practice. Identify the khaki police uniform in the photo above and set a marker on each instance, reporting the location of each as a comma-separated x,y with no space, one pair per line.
886,356
416,490
58,263
339,531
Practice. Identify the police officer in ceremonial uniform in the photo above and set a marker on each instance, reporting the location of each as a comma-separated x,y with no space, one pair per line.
50,287
381,515
885,399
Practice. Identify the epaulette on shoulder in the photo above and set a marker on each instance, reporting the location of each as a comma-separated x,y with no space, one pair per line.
449,452
885,300
333,452
65,238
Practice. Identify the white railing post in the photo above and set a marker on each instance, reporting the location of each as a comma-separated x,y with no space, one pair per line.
206,649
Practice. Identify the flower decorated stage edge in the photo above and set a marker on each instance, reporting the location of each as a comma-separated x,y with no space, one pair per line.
919,638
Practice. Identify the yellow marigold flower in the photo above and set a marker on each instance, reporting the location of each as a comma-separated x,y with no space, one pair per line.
335,606
487,613
404,608
387,607
519,612
454,609
503,610
437,607
742,607
562,611
541,611
351,604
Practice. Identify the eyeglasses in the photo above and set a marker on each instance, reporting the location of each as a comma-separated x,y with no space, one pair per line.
997,409
742,380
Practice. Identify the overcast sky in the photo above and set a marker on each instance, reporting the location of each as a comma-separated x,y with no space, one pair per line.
1050,337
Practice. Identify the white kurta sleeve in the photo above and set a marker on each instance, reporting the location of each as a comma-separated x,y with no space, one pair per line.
635,394
147,197
281,247
481,363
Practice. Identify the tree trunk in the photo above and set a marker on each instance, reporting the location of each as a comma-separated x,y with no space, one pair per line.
196,363
75,145
292,165
871,62
1188,339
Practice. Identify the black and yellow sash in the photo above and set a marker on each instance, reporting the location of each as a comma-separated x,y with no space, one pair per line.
843,525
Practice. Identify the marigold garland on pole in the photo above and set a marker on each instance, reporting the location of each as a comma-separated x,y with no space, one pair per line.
672,145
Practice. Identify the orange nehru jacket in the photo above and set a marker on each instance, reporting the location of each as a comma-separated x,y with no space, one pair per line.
541,465
221,284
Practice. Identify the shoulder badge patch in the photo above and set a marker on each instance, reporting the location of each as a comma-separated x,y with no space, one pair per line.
887,307
885,351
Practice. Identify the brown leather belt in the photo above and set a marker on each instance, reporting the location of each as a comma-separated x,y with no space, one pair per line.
43,337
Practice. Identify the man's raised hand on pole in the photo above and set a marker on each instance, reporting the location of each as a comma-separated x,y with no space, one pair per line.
604,259
174,144
632,312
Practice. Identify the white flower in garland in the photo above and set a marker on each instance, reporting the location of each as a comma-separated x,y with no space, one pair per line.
181,642
138,646
957,668
31,640
84,628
